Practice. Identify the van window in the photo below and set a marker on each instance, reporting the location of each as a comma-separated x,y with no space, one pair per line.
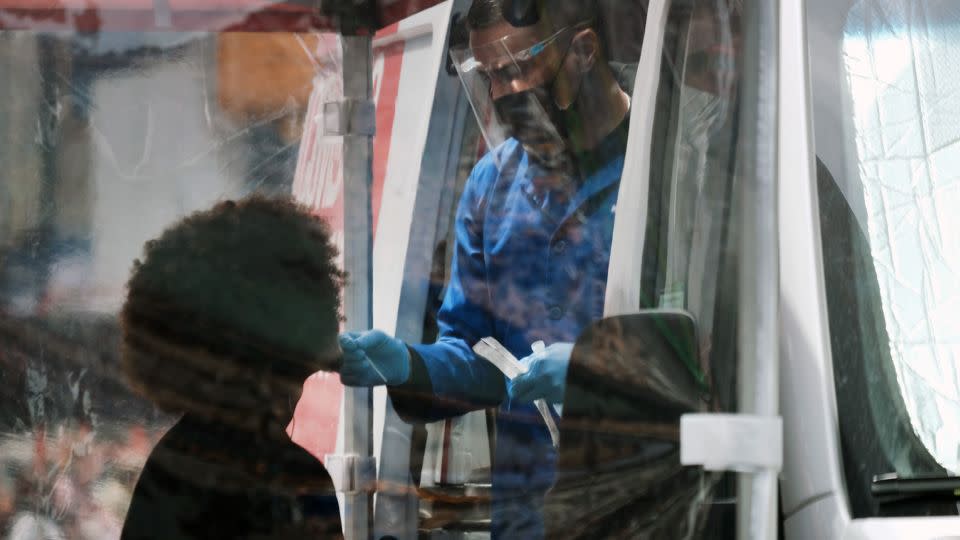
886,103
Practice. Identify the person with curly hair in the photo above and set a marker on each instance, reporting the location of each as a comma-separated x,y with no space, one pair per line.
226,315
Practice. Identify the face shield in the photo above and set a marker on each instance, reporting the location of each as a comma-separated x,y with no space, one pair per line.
509,83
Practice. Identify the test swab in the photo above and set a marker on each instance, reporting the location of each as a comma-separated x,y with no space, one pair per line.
499,356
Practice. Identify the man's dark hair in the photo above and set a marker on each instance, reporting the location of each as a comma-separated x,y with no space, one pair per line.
556,13
483,14
231,307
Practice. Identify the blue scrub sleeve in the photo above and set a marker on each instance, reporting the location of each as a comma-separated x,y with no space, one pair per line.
458,381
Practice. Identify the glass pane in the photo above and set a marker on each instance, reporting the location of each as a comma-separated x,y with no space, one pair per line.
886,108
696,243
106,140
508,264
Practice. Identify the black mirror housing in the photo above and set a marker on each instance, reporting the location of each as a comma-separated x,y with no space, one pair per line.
630,379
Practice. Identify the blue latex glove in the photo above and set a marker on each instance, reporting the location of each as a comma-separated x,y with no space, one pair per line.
373,358
546,375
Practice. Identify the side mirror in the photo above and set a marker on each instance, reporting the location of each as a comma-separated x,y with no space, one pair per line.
630,379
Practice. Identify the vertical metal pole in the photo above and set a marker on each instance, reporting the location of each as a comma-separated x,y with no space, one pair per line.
759,270
358,262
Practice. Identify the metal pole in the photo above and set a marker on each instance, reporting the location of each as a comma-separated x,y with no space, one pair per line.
759,270
358,262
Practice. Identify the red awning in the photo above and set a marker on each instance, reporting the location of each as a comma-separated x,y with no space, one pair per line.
91,16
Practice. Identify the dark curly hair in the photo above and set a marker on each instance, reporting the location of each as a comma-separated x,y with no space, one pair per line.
231,309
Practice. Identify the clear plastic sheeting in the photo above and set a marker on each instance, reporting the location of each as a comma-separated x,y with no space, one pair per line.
106,140
900,61
617,470
700,173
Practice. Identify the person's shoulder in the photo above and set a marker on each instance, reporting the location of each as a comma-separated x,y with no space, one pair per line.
492,170
317,496
303,472
152,506
27,525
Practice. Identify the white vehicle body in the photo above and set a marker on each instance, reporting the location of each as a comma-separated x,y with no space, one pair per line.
812,485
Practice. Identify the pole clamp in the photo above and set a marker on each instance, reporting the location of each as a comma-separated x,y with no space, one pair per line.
352,473
350,117
732,442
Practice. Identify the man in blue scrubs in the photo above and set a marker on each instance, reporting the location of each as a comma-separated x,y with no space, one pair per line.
533,232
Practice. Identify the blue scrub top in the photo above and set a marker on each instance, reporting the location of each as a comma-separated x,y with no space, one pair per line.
530,263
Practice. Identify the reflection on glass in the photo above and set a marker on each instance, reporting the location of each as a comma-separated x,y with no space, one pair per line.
530,268
105,140
108,139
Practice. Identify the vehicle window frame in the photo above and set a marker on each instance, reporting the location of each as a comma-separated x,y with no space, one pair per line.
865,380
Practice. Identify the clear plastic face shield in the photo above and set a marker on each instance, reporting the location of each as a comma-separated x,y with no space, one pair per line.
509,82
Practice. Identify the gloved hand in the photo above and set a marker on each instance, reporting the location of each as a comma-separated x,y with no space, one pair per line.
373,358
546,375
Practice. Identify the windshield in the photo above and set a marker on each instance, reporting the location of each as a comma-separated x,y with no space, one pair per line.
887,105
